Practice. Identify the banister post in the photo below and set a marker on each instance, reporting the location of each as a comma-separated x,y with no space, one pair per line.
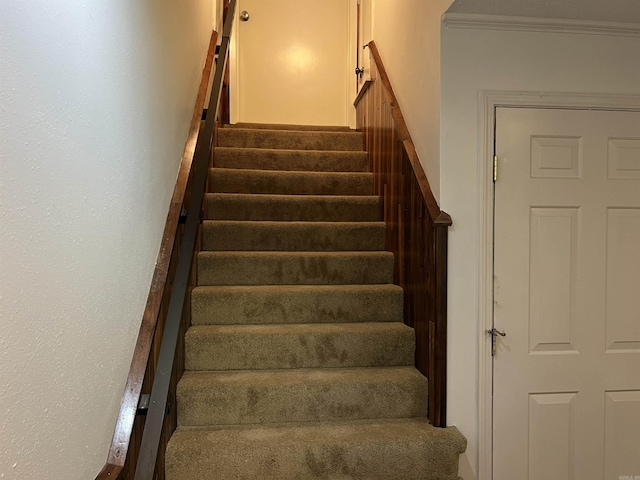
438,380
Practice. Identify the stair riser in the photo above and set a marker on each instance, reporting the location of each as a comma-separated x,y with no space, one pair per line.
279,139
224,404
292,208
377,452
238,268
290,183
291,160
268,305
299,128
205,350
287,236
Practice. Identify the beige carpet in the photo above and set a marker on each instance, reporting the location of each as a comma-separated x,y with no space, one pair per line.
298,363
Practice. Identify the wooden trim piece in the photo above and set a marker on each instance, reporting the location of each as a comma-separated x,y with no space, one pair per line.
363,90
159,425
438,366
129,404
443,220
358,17
425,188
403,131
225,98
416,229
391,98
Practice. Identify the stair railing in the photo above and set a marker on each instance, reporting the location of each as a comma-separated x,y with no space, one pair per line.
417,229
146,421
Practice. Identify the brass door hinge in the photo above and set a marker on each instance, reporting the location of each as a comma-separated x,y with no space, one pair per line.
495,168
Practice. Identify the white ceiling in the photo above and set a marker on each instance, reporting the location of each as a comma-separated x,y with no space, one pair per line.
625,11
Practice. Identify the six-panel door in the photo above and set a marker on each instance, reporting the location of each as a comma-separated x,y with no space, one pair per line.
567,294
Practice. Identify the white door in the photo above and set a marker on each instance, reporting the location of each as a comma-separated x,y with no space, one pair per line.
292,63
567,295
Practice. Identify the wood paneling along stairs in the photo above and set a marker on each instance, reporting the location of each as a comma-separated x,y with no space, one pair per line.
416,227
298,362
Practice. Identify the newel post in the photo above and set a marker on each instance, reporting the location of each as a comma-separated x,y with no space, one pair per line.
438,325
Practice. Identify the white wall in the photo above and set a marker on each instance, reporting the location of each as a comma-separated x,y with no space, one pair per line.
96,99
407,33
477,60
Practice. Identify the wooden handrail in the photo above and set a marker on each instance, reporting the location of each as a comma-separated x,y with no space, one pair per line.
151,449
131,397
405,137
417,229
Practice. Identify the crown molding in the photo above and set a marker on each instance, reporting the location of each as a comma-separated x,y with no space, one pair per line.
531,24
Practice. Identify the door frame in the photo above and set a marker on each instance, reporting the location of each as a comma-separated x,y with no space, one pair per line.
488,101
234,77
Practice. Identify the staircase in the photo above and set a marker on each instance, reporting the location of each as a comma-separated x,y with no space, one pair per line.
298,363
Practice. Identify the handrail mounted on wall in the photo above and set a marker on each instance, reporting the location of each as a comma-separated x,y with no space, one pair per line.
155,365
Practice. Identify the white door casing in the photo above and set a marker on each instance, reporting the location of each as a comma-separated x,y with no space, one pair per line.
290,62
567,293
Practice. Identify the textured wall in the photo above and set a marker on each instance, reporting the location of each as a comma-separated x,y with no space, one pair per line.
407,33
96,99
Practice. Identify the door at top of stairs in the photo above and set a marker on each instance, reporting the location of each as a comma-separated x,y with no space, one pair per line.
292,63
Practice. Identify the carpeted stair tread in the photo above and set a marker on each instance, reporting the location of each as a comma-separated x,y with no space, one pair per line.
268,304
313,208
294,268
231,180
293,236
297,362
291,160
315,345
290,139
409,449
306,395
279,126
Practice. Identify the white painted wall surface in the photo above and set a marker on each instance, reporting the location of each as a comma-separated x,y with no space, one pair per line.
407,33
477,60
96,99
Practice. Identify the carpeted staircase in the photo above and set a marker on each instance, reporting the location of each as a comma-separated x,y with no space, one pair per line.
298,363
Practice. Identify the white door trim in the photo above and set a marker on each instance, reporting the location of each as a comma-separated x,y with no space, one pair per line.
488,100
